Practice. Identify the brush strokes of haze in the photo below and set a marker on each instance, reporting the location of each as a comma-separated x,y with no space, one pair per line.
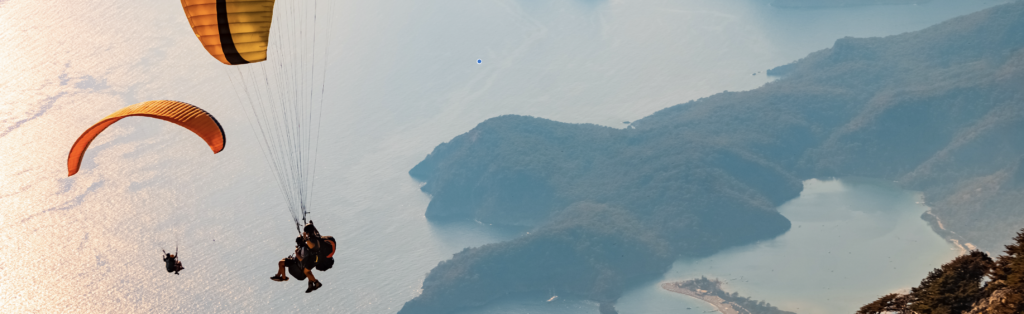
402,79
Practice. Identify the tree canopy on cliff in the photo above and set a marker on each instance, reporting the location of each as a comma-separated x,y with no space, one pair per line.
960,286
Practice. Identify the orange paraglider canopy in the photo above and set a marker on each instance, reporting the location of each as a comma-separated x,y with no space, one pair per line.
188,116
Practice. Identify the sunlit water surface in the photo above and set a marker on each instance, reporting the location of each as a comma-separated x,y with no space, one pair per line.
402,78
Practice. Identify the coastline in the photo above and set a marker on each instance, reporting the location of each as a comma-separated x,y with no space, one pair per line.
950,236
718,303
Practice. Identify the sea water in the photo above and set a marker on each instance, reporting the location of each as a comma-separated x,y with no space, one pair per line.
402,77
852,241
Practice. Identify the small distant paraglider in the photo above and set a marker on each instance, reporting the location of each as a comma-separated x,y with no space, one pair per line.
173,264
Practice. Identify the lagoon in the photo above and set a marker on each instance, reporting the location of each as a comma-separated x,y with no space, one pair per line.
853,240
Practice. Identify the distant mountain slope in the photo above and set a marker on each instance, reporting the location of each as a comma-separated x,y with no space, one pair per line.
939,110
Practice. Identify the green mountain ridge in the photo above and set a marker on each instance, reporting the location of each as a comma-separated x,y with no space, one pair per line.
938,110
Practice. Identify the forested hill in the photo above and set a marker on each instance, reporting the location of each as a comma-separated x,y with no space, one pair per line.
939,110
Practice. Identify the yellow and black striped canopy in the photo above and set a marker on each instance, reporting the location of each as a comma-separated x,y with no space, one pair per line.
233,31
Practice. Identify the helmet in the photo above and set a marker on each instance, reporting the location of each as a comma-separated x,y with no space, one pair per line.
310,230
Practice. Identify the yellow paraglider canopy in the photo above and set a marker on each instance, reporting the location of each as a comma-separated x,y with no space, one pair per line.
282,99
233,31
188,116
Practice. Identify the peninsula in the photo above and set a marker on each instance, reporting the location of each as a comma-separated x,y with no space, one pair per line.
710,291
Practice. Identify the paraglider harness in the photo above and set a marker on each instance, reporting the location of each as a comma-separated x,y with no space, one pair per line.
325,247
173,264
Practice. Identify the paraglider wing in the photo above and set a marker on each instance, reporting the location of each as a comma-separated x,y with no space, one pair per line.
282,99
233,31
188,116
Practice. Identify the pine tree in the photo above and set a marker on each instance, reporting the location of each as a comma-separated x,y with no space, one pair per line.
953,288
890,303
1008,275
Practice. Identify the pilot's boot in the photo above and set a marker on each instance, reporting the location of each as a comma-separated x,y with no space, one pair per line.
313,285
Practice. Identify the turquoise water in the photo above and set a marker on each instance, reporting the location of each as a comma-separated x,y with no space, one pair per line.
402,78
852,241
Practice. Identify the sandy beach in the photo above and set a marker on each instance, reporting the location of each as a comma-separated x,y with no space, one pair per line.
718,303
